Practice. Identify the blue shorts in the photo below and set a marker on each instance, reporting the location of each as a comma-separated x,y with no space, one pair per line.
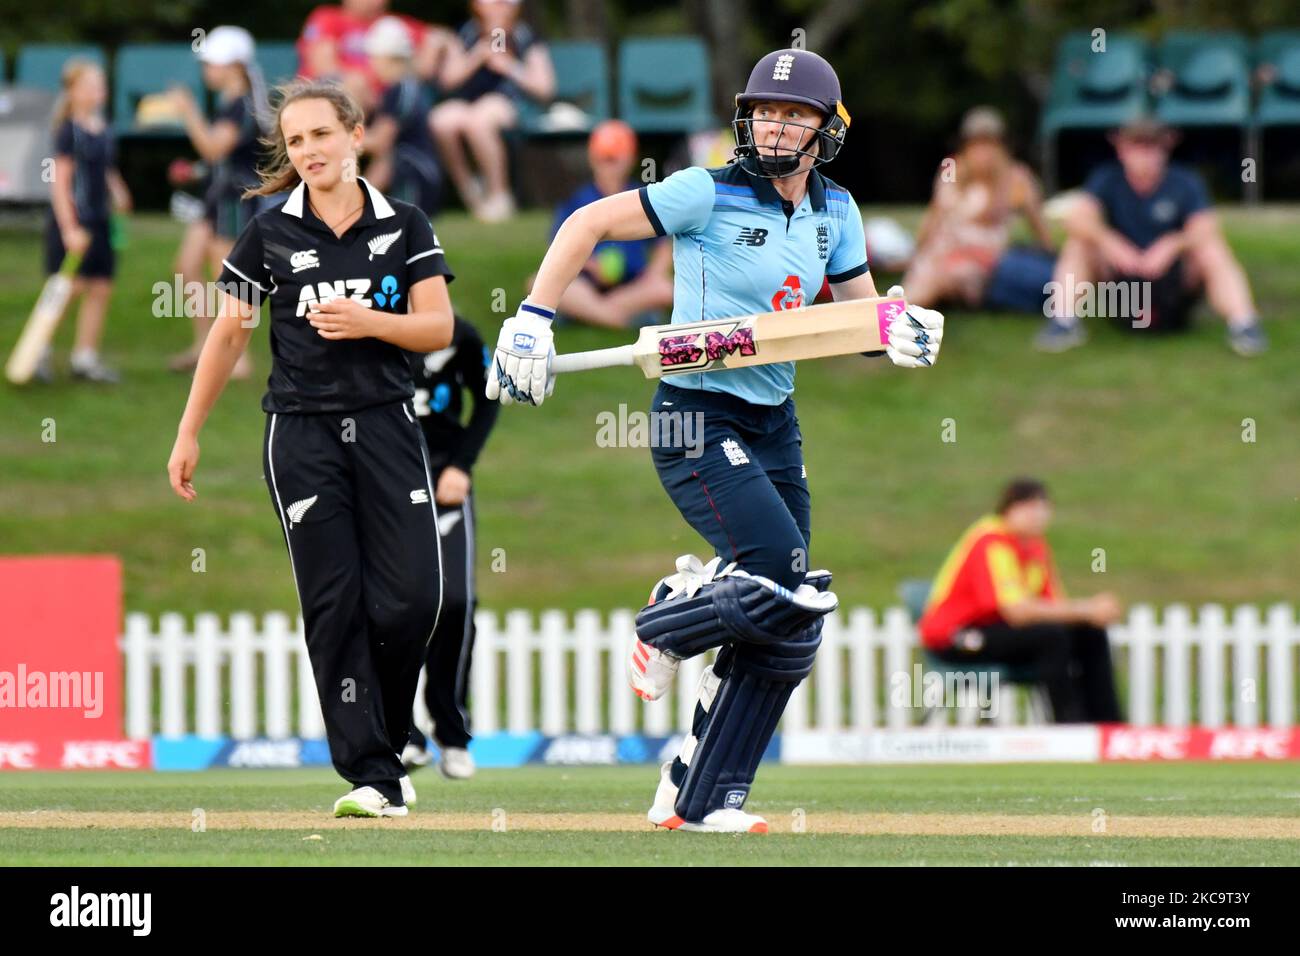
735,471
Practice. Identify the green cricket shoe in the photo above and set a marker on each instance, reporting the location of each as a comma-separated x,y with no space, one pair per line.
367,802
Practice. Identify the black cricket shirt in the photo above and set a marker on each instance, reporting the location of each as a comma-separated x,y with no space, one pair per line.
442,380
289,257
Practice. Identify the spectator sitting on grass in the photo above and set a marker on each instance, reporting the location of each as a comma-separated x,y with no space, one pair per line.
997,600
1146,220
961,246
625,279
402,158
497,62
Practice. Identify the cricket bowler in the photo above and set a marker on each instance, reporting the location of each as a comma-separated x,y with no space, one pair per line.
757,235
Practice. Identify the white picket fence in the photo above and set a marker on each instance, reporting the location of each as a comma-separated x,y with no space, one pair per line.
559,675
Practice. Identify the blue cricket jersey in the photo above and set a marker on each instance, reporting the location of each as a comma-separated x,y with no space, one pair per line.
736,253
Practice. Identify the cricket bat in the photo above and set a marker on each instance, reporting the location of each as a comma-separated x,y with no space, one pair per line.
815,331
41,324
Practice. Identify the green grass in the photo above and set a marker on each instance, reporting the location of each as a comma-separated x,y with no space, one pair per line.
1258,790
1141,442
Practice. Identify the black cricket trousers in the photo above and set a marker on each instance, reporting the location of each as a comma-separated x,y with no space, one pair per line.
1071,660
450,653
355,500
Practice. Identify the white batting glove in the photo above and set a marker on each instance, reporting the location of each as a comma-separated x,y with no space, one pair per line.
521,367
915,335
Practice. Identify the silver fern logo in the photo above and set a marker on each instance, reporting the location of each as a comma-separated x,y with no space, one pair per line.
299,508
381,244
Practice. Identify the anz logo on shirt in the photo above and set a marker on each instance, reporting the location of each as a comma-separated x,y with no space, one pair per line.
315,293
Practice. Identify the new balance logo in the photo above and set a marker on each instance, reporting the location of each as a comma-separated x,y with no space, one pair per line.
751,237
381,244
304,259
735,454
420,496
299,508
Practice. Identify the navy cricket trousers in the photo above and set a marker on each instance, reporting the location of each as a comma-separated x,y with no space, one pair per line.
735,471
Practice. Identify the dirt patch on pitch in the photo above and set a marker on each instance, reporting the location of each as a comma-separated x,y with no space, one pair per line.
860,824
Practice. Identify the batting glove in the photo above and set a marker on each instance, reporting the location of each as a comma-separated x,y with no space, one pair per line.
914,336
521,367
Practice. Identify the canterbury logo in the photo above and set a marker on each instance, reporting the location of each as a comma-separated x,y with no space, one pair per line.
299,508
381,244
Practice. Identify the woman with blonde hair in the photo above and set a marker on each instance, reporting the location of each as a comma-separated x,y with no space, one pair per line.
966,229
230,145
354,280
84,190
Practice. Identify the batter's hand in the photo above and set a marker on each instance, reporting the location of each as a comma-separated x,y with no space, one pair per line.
914,336
521,367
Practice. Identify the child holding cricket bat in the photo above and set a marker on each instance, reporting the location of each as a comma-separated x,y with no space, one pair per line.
756,236
84,190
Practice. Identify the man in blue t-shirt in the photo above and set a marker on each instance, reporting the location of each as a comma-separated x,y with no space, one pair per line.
1146,226
623,280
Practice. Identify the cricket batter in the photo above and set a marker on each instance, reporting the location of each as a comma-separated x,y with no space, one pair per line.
754,236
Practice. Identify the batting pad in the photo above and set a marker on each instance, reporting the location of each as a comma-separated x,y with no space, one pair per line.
735,606
741,721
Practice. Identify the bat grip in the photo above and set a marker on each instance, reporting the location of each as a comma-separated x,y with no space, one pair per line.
599,358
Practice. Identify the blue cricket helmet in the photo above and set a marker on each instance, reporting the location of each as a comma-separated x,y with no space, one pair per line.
795,76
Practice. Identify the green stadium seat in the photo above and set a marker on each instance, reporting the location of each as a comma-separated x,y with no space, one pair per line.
40,65
1096,90
1092,90
1207,78
664,85
1279,99
278,60
141,69
582,79
914,593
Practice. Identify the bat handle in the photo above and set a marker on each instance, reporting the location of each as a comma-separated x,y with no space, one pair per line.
599,358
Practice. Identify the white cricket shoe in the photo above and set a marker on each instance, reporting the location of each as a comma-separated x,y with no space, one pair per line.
408,790
366,802
414,757
456,763
726,820
665,805
664,812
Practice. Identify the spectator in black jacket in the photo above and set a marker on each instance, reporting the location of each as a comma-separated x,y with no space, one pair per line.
442,380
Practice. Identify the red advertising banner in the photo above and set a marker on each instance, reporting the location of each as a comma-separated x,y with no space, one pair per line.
1200,743
60,666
